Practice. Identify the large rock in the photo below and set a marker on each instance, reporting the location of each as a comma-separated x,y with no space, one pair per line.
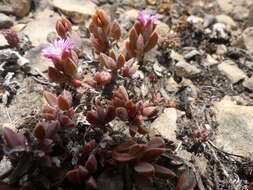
41,26
184,69
77,10
235,130
21,7
5,21
231,71
248,39
166,124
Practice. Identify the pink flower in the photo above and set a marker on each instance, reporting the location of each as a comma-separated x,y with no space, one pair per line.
56,49
145,18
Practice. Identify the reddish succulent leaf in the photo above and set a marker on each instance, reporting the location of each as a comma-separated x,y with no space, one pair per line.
46,108
186,181
48,116
91,163
70,68
144,168
40,131
63,103
122,157
163,172
91,183
156,142
110,114
56,76
13,139
137,149
138,27
148,111
152,154
116,32
140,44
77,175
93,119
88,147
130,49
125,146
132,108
122,113
103,17
51,129
120,61
50,98
133,38
152,42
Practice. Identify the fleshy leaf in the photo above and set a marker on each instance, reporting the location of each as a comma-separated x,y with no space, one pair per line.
144,168
163,172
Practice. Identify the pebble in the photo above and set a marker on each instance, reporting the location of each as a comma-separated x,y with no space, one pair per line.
77,10
184,69
231,71
234,125
226,20
21,7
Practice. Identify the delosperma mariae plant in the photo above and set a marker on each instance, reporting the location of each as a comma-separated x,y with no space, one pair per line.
60,151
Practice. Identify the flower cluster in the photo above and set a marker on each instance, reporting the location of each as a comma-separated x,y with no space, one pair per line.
142,37
63,56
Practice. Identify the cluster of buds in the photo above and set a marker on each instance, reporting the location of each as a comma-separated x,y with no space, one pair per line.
63,56
142,37
58,114
126,110
63,28
101,116
114,62
103,30
11,37
141,157
83,174
100,79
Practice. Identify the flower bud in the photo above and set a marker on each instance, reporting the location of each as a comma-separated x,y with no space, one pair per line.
63,26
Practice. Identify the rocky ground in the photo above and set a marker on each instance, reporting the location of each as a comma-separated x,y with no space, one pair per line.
203,63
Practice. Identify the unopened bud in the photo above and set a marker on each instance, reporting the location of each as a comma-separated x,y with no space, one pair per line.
63,26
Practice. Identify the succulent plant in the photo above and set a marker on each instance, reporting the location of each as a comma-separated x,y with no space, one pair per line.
101,116
141,159
142,37
126,110
102,29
